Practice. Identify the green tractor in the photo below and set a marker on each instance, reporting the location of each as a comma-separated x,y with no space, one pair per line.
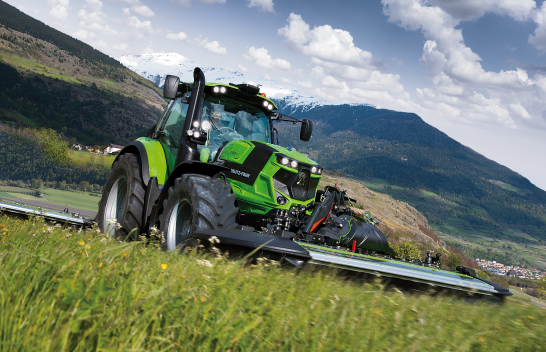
211,168
211,163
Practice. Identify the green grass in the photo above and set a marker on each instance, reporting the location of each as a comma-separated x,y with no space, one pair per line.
38,68
64,290
21,118
509,187
76,199
81,158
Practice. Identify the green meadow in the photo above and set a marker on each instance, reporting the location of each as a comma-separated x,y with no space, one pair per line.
66,290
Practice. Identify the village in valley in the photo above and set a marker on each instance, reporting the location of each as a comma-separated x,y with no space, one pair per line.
110,149
500,269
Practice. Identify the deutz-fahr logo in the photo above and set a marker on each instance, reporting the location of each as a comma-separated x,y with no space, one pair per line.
240,173
301,178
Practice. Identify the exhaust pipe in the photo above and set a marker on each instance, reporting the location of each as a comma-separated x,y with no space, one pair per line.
187,149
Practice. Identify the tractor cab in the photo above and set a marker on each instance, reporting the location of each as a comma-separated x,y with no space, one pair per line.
228,114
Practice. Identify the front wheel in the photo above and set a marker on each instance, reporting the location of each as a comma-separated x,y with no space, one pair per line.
122,202
196,202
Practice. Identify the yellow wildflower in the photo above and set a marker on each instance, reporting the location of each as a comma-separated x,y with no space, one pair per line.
125,255
99,255
203,299
482,339
88,247
100,265
163,266
81,243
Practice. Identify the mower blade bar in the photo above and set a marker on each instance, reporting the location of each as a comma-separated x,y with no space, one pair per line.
408,272
46,214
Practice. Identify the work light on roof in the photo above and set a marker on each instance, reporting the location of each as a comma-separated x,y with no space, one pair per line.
266,103
270,107
216,89
222,90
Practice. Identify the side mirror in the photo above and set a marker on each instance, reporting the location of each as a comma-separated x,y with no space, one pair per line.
306,130
171,87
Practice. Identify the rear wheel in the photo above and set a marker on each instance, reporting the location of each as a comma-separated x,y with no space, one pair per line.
122,199
196,202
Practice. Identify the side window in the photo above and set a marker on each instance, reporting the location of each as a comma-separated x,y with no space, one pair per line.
173,125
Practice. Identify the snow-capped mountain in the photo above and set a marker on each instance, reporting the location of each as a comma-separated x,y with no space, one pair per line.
155,66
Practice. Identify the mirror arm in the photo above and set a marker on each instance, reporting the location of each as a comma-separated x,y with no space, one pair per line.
281,117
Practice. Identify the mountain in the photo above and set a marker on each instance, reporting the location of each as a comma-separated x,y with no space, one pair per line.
463,194
156,66
50,79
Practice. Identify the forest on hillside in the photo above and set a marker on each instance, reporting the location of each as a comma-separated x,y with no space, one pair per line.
101,117
24,159
17,20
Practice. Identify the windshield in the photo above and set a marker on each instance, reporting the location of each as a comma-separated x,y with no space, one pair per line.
230,120
235,123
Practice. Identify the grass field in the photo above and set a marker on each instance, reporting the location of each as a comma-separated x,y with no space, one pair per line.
66,290
74,199
80,158
36,67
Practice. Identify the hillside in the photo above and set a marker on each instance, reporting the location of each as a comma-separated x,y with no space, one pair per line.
462,193
52,80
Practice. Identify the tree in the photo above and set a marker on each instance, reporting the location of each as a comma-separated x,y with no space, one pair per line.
53,145
407,250
83,186
452,261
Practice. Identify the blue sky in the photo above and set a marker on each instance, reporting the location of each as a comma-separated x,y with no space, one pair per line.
474,69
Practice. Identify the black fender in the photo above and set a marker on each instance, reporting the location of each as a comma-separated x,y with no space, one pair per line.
186,167
137,147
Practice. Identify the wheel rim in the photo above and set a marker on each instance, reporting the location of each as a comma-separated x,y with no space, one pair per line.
180,223
115,205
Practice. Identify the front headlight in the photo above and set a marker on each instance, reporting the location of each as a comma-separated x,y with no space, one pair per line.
286,161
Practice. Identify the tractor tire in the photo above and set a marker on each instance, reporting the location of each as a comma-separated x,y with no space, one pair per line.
123,199
196,202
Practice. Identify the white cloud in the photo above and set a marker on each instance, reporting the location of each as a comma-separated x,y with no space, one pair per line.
143,25
177,36
261,57
214,46
463,90
59,9
143,10
538,39
92,20
242,68
262,5
326,43
188,2
83,34
472,9
101,45
345,73
94,5
122,47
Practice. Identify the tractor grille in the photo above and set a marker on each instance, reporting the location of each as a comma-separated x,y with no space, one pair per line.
300,187
297,184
